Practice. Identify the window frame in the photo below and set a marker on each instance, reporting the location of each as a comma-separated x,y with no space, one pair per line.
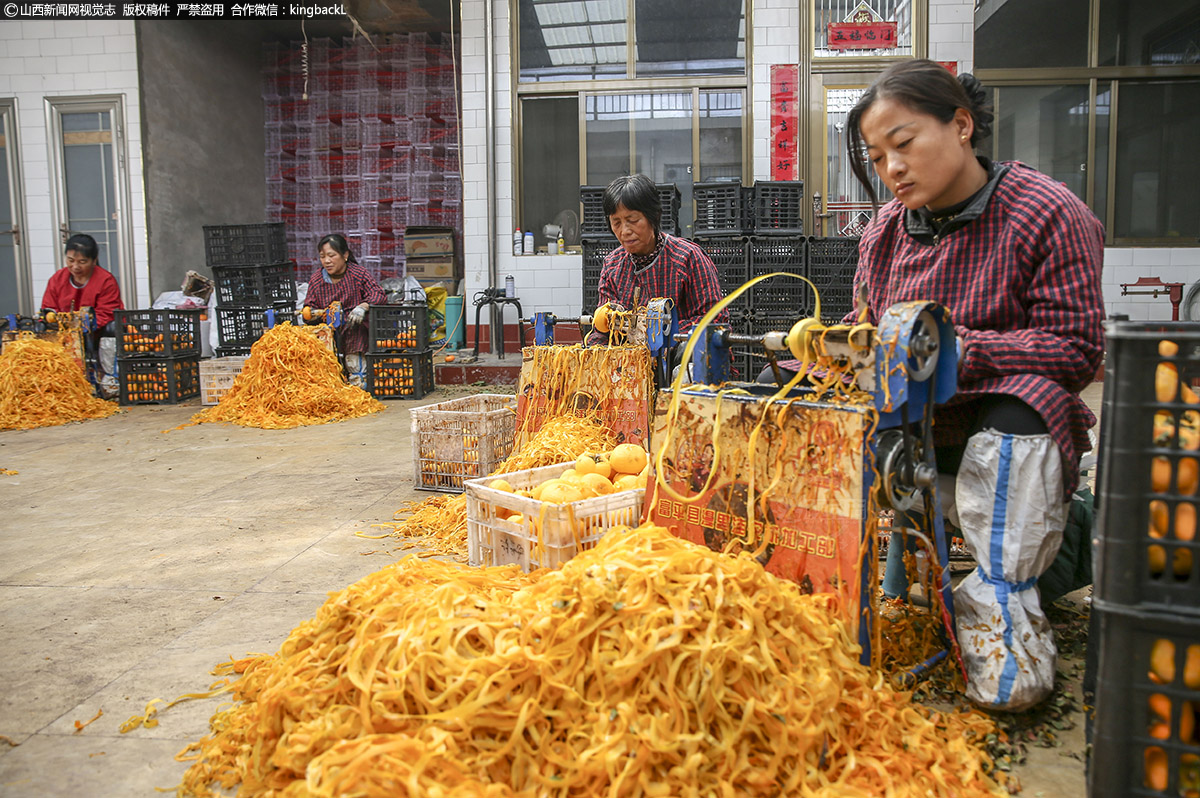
630,53
113,104
862,63
10,128
630,84
1095,75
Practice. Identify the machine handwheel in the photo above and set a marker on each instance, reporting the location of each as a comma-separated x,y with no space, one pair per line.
892,461
923,348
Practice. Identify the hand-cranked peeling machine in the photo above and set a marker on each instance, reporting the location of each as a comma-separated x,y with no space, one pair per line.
49,321
908,364
655,325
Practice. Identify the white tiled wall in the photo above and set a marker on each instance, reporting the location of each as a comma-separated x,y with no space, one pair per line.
952,32
70,59
776,40
1127,265
543,282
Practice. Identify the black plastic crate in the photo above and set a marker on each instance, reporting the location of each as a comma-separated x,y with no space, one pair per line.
831,266
157,382
1144,742
594,222
158,333
731,257
595,251
741,319
400,375
245,244
255,286
722,209
398,328
240,327
1148,555
786,295
761,323
669,198
778,207
230,351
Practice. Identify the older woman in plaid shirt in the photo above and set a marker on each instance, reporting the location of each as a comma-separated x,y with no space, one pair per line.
651,264
1016,257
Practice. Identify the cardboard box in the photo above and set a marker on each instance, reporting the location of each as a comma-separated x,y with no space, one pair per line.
420,242
436,268
815,513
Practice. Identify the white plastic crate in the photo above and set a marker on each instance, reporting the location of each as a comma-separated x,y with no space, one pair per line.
565,528
217,375
460,439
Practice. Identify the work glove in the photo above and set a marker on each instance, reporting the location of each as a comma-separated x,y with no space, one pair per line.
357,315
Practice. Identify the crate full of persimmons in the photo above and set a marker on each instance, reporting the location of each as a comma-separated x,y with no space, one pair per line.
542,517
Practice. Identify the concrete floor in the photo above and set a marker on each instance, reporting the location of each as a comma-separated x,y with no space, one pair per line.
133,561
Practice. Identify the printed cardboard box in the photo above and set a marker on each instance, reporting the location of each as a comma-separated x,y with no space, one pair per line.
618,382
813,466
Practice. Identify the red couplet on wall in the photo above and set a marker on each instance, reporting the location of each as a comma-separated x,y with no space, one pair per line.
785,118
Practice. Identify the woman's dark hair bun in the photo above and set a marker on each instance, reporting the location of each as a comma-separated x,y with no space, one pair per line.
979,107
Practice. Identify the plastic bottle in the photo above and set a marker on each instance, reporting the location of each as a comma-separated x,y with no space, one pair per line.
518,243
510,287
530,249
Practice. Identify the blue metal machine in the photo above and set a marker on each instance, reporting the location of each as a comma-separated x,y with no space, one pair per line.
909,364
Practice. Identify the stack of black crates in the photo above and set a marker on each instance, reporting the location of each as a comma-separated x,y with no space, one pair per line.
598,239
1146,600
158,355
752,231
747,232
251,275
399,360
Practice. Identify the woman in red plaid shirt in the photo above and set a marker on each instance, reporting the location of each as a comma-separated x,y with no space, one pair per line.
651,264
1016,258
340,279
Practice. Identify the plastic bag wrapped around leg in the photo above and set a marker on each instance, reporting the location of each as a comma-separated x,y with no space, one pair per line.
1010,502
356,370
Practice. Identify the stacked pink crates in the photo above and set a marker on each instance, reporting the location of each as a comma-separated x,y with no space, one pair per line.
364,143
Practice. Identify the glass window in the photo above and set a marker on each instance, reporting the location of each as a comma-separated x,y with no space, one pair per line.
1158,134
1015,34
846,201
550,167
858,24
87,157
690,37
720,136
588,39
1045,127
1162,33
649,133
662,145
572,39
652,133
607,134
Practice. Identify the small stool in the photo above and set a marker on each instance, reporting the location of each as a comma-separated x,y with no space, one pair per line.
489,299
